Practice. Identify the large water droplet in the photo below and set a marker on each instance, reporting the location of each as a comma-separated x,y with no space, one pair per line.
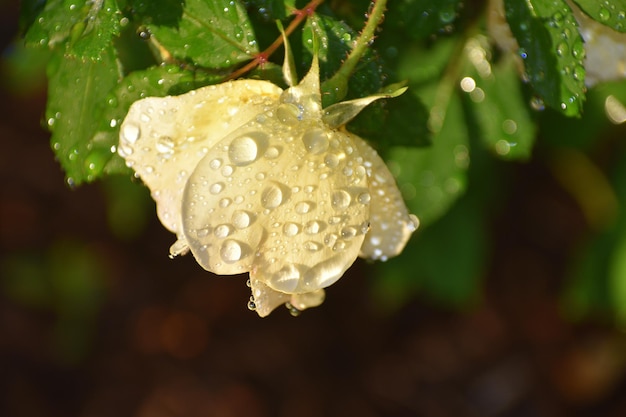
340,200
315,141
231,251
244,150
241,219
131,132
289,113
272,196
348,232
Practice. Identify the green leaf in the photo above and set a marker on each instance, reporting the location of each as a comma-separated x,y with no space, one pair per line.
88,26
552,50
158,12
77,90
400,121
335,39
211,34
153,82
611,13
272,10
55,22
422,18
501,111
93,36
432,178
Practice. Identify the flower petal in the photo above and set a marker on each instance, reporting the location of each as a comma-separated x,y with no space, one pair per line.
163,138
302,185
391,225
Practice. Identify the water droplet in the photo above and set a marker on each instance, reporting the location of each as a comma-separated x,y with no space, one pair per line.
340,200
313,227
165,145
272,152
536,103
215,163
604,14
312,246
131,132
272,197
225,202
522,53
251,304
331,160
562,49
291,229
216,188
330,240
364,198
509,126
241,219
243,150
579,72
303,207
231,251
227,170
315,141
222,231
289,113
348,232
503,147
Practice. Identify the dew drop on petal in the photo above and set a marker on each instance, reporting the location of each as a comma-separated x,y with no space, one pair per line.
313,227
241,219
312,246
243,150
231,251
364,198
271,197
131,132
303,207
222,231
315,141
340,200
216,188
291,229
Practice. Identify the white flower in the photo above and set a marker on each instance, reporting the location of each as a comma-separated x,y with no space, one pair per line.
255,179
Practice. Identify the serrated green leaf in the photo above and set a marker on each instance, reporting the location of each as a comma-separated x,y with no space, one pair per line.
422,18
153,82
77,90
432,178
611,13
158,12
211,34
88,26
55,22
552,50
272,9
501,112
90,38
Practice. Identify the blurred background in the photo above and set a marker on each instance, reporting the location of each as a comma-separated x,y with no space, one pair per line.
97,321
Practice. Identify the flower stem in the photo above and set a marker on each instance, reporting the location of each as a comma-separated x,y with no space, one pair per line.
262,57
336,88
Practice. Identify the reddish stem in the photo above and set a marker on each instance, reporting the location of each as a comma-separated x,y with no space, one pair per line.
262,57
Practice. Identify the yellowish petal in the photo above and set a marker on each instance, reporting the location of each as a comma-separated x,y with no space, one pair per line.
164,138
391,225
